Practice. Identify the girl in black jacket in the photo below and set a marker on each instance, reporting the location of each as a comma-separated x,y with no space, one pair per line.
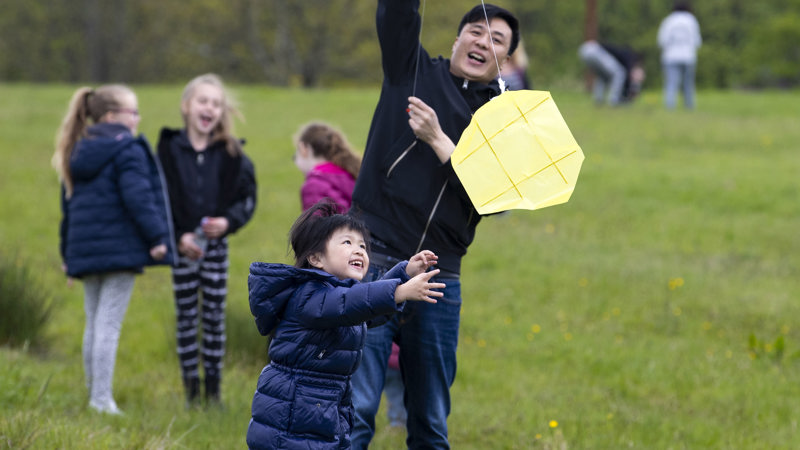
212,190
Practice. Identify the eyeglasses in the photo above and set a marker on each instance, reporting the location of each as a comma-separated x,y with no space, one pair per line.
131,111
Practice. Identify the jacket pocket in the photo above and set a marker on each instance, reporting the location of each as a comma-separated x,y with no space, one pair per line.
316,410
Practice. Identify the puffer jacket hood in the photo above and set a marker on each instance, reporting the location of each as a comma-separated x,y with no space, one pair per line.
105,141
274,284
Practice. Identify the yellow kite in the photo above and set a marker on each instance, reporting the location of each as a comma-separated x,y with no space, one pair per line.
517,153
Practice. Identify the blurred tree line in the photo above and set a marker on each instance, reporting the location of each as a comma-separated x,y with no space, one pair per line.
332,42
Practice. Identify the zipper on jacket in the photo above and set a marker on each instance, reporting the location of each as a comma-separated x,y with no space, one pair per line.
322,353
399,158
430,217
172,247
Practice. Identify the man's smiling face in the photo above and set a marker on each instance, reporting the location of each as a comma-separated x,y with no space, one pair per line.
472,56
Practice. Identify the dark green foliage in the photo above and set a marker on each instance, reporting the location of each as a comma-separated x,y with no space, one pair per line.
333,42
24,301
774,52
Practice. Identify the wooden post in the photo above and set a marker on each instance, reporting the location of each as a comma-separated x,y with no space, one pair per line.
590,33
590,26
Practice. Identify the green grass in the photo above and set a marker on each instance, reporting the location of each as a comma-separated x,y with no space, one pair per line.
656,309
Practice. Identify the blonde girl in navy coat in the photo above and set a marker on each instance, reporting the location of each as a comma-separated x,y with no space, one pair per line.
115,219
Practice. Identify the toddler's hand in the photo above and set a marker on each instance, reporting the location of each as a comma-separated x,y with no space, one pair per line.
158,252
421,262
419,288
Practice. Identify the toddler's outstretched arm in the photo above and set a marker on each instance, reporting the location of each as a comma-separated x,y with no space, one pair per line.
419,288
421,262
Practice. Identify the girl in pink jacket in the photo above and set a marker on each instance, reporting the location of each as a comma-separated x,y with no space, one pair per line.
329,164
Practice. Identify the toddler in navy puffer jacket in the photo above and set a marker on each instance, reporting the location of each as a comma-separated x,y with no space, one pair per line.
317,313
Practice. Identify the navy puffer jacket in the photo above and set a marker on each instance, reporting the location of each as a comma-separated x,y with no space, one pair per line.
319,325
118,209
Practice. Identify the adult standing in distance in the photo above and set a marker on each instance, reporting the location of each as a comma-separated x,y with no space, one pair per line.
410,198
679,38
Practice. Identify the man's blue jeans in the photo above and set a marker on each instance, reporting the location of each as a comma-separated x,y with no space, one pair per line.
679,75
428,336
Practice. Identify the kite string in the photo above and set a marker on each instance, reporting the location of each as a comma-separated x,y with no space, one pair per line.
419,48
491,41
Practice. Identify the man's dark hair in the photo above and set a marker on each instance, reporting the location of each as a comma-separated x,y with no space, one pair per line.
682,5
312,230
476,15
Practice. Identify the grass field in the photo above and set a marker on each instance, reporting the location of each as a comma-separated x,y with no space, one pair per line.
656,310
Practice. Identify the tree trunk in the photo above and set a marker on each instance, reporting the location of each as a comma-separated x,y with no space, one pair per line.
96,60
590,34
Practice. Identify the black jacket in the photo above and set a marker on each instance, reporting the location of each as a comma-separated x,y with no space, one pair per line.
215,184
406,196
629,59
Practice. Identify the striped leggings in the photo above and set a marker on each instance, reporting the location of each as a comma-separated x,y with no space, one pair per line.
210,278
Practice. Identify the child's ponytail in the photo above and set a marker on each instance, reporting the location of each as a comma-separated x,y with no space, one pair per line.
343,155
87,105
73,127
331,144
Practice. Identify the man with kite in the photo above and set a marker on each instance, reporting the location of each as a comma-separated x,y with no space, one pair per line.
410,197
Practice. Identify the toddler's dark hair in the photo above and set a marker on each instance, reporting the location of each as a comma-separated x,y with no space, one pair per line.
312,230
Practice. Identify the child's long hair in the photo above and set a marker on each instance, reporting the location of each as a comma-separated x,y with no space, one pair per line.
86,107
331,144
312,230
224,129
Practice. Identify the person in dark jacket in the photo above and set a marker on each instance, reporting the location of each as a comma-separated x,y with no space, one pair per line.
410,198
317,313
617,70
115,219
212,190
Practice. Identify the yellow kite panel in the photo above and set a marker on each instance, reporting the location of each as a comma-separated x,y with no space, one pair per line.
517,153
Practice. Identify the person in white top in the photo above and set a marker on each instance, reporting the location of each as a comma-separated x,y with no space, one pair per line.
679,39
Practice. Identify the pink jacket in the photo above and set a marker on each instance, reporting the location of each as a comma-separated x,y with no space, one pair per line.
328,180
394,358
